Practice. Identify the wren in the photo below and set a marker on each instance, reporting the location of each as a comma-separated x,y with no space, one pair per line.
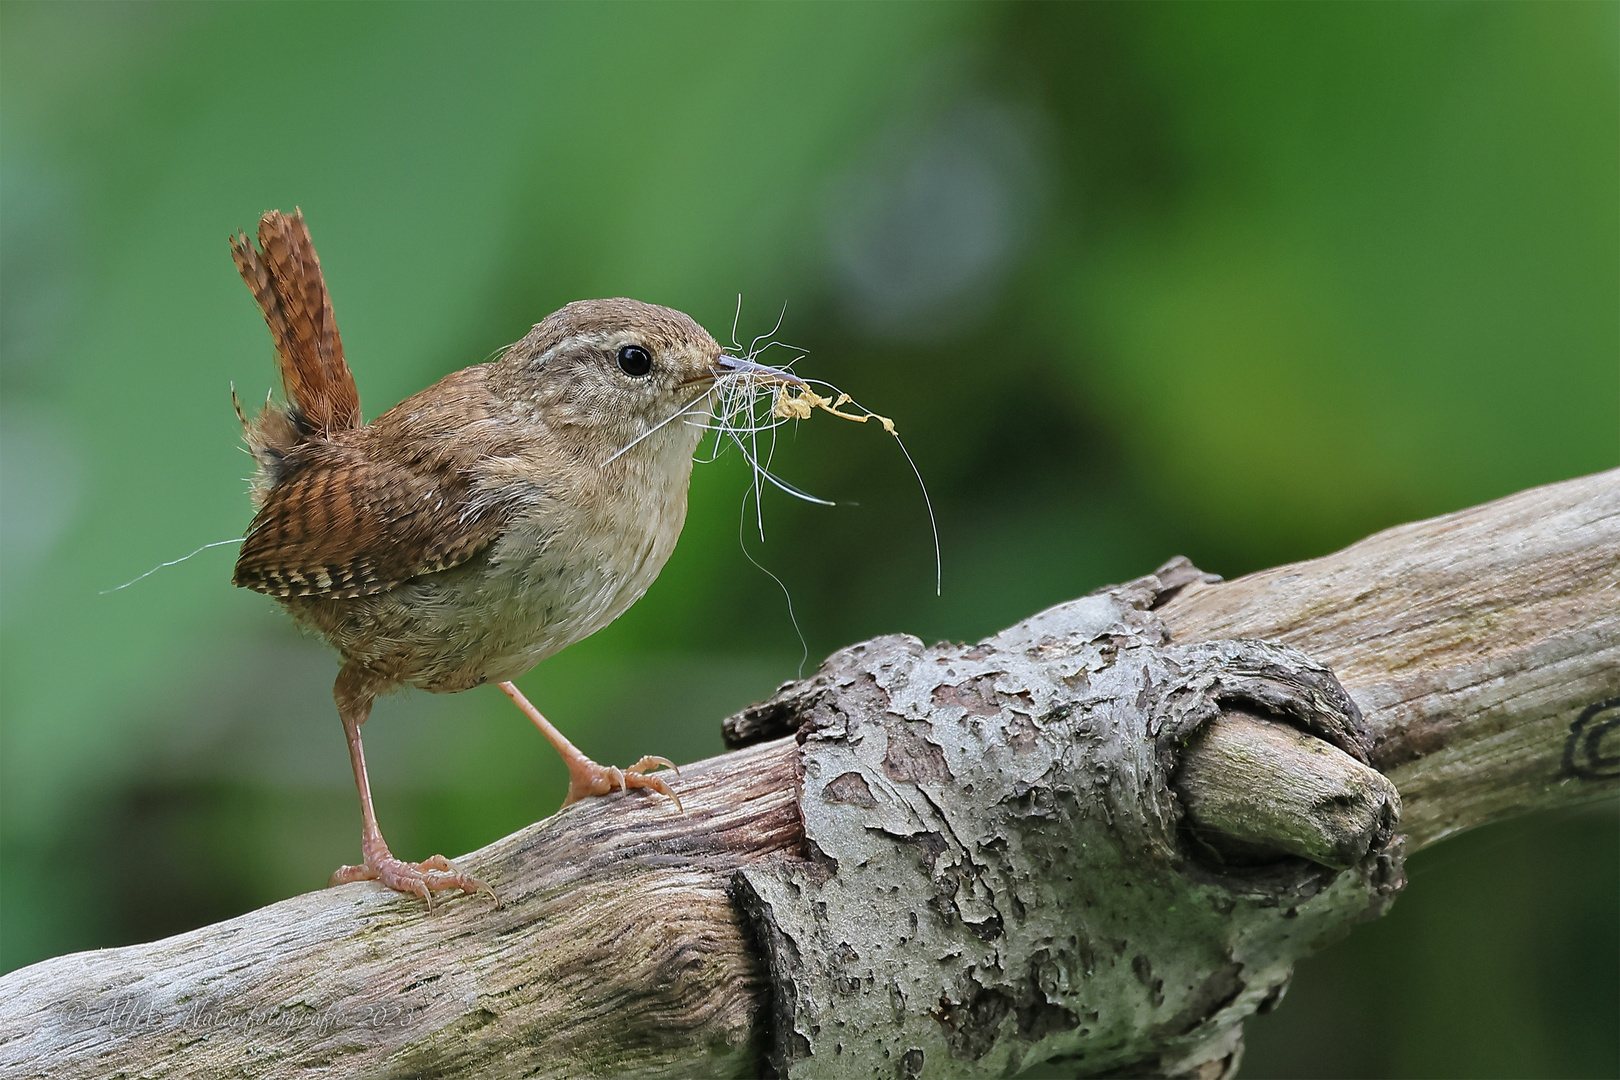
479,526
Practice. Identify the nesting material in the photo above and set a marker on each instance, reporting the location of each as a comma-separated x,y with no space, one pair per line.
790,406
745,405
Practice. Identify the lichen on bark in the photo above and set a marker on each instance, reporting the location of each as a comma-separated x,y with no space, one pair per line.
996,869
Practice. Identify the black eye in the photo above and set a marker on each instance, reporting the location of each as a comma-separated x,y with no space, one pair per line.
634,360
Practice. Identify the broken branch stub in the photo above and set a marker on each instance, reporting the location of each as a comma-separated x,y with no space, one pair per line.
1252,787
999,870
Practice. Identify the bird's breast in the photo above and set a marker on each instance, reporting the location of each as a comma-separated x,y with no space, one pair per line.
572,563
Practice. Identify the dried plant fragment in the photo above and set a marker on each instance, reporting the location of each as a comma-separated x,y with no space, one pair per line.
790,406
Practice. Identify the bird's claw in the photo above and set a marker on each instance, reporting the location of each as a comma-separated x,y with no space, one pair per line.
422,879
586,778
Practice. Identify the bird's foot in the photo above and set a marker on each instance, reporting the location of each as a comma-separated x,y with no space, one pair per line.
419,879
587,778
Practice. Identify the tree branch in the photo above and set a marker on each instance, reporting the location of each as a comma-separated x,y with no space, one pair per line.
1473,642
1483,649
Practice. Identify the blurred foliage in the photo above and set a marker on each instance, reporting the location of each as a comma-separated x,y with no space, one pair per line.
1239,282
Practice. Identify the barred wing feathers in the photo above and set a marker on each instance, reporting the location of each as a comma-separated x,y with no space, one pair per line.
353,516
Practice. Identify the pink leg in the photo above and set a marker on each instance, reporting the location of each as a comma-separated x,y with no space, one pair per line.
586,777
420,879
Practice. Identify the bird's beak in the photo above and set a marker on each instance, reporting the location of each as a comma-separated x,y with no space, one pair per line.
731,365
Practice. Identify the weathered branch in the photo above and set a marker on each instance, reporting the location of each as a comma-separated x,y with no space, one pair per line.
1483,649
1475,643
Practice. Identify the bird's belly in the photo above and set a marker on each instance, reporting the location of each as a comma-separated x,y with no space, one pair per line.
519,615
494,617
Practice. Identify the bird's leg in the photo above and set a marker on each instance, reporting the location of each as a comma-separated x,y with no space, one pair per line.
354,700
586,777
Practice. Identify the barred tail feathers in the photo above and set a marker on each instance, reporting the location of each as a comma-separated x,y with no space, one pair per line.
284,276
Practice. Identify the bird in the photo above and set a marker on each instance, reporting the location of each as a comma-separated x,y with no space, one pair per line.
509,510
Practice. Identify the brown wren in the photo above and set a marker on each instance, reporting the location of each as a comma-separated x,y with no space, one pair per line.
479,526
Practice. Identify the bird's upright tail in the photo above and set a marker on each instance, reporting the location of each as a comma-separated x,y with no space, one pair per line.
286,280
285,277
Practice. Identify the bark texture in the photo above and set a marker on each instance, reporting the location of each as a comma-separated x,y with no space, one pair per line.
616,952
1117,825
997,871
1483,647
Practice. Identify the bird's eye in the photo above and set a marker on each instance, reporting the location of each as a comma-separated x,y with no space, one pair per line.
634,360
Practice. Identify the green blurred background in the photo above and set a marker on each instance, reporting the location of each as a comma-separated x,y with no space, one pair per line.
1239,282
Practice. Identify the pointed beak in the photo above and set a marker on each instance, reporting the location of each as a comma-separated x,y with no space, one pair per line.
731,365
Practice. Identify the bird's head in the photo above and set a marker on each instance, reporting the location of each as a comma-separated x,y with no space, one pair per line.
611,375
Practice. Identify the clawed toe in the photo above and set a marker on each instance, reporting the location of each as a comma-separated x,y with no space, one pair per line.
435,874
345,874
457,878
586,778
653,783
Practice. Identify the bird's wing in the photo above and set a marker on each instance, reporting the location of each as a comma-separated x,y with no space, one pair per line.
343,525
403,497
